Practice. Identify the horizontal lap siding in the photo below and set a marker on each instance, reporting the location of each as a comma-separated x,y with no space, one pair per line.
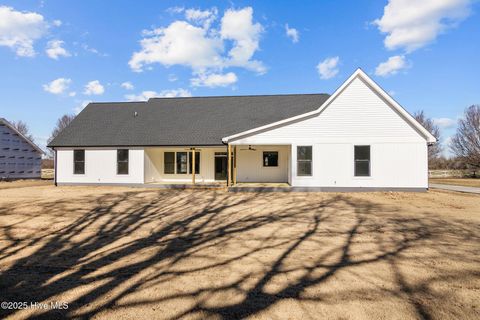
100,166
357,116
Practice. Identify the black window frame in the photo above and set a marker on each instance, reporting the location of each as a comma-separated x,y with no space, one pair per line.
197,162
267,153
173,163
77,162
121,162
362,161
305,161
178,162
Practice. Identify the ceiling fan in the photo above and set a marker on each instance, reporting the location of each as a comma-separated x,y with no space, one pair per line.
249,148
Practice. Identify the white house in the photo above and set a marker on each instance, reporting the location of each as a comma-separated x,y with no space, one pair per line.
358,138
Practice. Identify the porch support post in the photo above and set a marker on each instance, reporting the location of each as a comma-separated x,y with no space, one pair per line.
229,166
234,165
193,165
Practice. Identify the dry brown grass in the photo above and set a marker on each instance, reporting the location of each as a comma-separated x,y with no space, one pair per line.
468,182
167,254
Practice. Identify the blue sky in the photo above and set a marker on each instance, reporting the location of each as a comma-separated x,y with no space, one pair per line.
55,56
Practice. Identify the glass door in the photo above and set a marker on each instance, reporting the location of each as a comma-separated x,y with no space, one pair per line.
221,163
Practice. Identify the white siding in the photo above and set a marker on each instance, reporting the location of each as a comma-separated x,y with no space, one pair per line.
358,116
100,166
393,165
154,164
250,166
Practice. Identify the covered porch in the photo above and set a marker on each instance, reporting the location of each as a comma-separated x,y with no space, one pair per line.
259,164
237,166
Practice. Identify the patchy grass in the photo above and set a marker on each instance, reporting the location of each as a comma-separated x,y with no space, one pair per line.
468,182
167,254
48,174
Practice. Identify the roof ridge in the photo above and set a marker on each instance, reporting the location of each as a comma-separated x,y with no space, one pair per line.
246,95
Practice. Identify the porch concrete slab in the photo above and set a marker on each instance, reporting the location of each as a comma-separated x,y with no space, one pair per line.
164,185
455,188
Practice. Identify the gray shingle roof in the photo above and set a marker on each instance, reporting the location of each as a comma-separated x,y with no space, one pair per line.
194,121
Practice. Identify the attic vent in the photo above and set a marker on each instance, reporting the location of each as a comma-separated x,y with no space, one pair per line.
135,114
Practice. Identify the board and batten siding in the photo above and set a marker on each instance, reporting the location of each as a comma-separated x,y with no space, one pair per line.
154,165
100,166
358,116
250,164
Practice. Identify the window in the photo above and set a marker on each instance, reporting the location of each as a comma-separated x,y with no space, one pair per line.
182,162
79,161
362,161
169,162
197,162
270,159
122,161
304,160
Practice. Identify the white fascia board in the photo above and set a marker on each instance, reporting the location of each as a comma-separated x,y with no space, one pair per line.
359,72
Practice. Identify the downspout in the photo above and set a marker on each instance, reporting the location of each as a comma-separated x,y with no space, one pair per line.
55,167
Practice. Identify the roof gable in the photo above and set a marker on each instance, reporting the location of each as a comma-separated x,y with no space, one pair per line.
373,86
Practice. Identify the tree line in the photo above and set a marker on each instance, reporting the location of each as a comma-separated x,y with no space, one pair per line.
464,145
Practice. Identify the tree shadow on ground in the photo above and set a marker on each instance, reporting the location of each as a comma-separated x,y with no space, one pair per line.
181,254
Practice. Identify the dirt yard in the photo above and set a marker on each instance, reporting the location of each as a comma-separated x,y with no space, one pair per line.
167,254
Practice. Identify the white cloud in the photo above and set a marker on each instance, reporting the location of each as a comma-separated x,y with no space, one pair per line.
172,77
72,94
87,48
127,85
145,95
55,49
328,68
57,23
214,80
238,26
94,87
57,86
201,47
391,66
412,24
174,10
292,33
19,30
202,17
444,123
180,43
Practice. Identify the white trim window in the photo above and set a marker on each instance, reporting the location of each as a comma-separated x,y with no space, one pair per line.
362,161
270,158
180,162
122,161
79,161
304,161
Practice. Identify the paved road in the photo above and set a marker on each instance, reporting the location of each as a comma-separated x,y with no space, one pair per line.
455,188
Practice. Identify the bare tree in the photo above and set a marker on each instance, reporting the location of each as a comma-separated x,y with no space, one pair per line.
466,141
22,127
435,150
62,123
